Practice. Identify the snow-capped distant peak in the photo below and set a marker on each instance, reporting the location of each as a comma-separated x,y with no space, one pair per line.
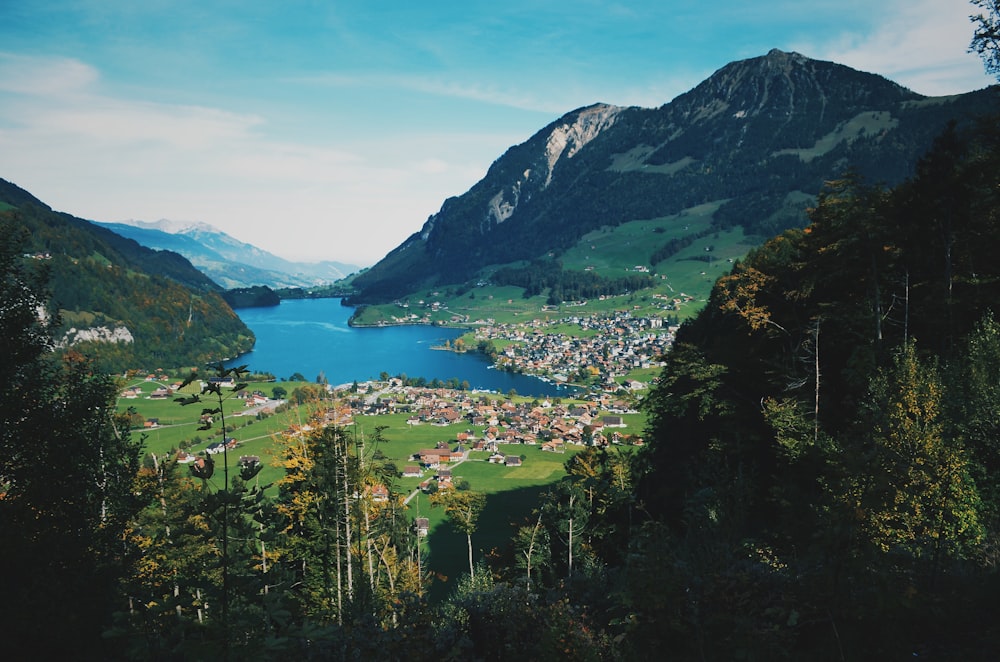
172,227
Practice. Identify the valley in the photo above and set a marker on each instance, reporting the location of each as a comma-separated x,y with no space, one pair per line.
771,303
543,434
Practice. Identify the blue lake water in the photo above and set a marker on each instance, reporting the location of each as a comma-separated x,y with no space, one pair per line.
311,336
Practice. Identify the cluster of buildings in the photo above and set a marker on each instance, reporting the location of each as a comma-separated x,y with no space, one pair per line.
607,349
494,421
501,428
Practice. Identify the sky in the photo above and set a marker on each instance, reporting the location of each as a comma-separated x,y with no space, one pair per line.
331,130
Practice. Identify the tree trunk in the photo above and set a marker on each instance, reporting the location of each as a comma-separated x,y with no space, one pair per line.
472,573
572,498
347,522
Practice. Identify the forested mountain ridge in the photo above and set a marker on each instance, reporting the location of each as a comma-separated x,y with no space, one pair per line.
128,305
759,136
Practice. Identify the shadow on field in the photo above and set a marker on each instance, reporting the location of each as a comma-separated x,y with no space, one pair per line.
504,511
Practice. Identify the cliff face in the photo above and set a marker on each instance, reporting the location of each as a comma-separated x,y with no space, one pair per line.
753,136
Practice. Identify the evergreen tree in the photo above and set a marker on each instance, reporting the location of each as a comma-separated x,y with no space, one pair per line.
67,479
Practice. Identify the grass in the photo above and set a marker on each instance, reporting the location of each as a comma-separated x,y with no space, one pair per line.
611,252
178,425
512,492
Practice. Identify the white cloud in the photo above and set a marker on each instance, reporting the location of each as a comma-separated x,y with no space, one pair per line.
921,44
99,156
22,74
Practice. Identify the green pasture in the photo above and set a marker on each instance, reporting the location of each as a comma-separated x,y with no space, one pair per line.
610,252
178,425
512,492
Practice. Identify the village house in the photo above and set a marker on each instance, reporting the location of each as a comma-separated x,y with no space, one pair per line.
432,457
380,493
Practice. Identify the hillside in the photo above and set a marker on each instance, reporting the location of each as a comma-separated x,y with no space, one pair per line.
129,306
228,261
755,141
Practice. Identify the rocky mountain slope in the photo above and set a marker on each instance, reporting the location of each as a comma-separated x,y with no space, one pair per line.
758,138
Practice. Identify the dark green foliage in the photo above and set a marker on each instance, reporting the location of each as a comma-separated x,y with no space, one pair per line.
548,275
674,246
251,297
804,428
67,480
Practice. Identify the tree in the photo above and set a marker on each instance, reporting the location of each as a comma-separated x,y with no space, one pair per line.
233,506
566,512
279,392
67,478
974,414
922,501
306,393
531,544
986,35
463,509
173,585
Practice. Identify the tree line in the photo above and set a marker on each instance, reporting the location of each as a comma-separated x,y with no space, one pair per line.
542,276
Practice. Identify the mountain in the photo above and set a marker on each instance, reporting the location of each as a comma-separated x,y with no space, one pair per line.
757,140
228,261
128,305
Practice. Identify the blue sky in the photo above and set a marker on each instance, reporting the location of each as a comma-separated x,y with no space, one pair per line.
325,129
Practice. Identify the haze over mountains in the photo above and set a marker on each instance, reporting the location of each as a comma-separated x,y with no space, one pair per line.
128,305
757,139
753,144
229,262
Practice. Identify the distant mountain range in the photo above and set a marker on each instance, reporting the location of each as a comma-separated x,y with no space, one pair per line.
755,142
227,261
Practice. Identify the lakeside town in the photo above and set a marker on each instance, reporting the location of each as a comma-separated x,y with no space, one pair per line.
605,350
499,425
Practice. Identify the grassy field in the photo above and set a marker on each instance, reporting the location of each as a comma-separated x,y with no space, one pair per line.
512,492
610,252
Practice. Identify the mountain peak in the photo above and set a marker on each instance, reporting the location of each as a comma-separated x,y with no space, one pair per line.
779,56
755,140
788,84
171,227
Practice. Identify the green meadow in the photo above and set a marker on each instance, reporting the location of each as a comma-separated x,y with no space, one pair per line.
512,492
611,252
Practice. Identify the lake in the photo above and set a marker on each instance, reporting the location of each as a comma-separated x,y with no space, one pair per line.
311,336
